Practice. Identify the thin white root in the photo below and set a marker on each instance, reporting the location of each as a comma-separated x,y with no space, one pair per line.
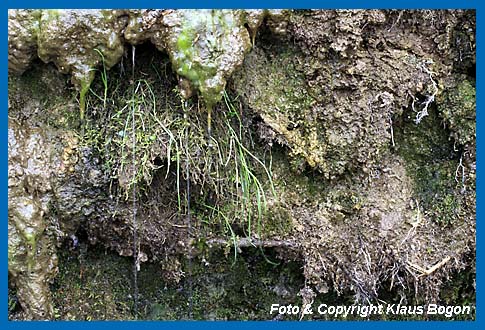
431,270
430,98
392,132
461,168
248,242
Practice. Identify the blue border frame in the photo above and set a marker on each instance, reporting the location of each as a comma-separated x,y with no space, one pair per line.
330,4
351,4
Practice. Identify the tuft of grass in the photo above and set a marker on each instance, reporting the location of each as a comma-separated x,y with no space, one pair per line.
229,182
228,226
249,183
104,79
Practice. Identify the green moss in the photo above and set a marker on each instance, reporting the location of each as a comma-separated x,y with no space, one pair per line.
93,285
277,222
285,86
435,187
222,289
184,42
458,107
43,95
460,290
431,161
275,87
30,83
98,286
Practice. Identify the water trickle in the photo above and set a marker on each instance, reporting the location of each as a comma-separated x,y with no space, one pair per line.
136,262
209,125
189,222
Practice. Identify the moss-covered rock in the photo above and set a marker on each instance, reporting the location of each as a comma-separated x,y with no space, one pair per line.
458,108
93,286
433,161
322,99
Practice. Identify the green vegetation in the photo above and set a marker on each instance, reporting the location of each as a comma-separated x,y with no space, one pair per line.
142,125
458,108
431,161
321,194
39,93
94,286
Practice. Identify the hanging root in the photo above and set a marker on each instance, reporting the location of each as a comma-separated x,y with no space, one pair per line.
430,98
429,271
252,242
460,168
392,131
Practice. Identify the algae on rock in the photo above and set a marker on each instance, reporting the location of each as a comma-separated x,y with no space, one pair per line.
50,187
31,254
70,39
206,46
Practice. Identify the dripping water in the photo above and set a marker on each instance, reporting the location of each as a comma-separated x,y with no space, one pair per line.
136,262
189,222
209,125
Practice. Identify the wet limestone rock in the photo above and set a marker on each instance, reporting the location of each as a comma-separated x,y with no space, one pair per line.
77,41
32,258
332,98
23,26
205,46
330,91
